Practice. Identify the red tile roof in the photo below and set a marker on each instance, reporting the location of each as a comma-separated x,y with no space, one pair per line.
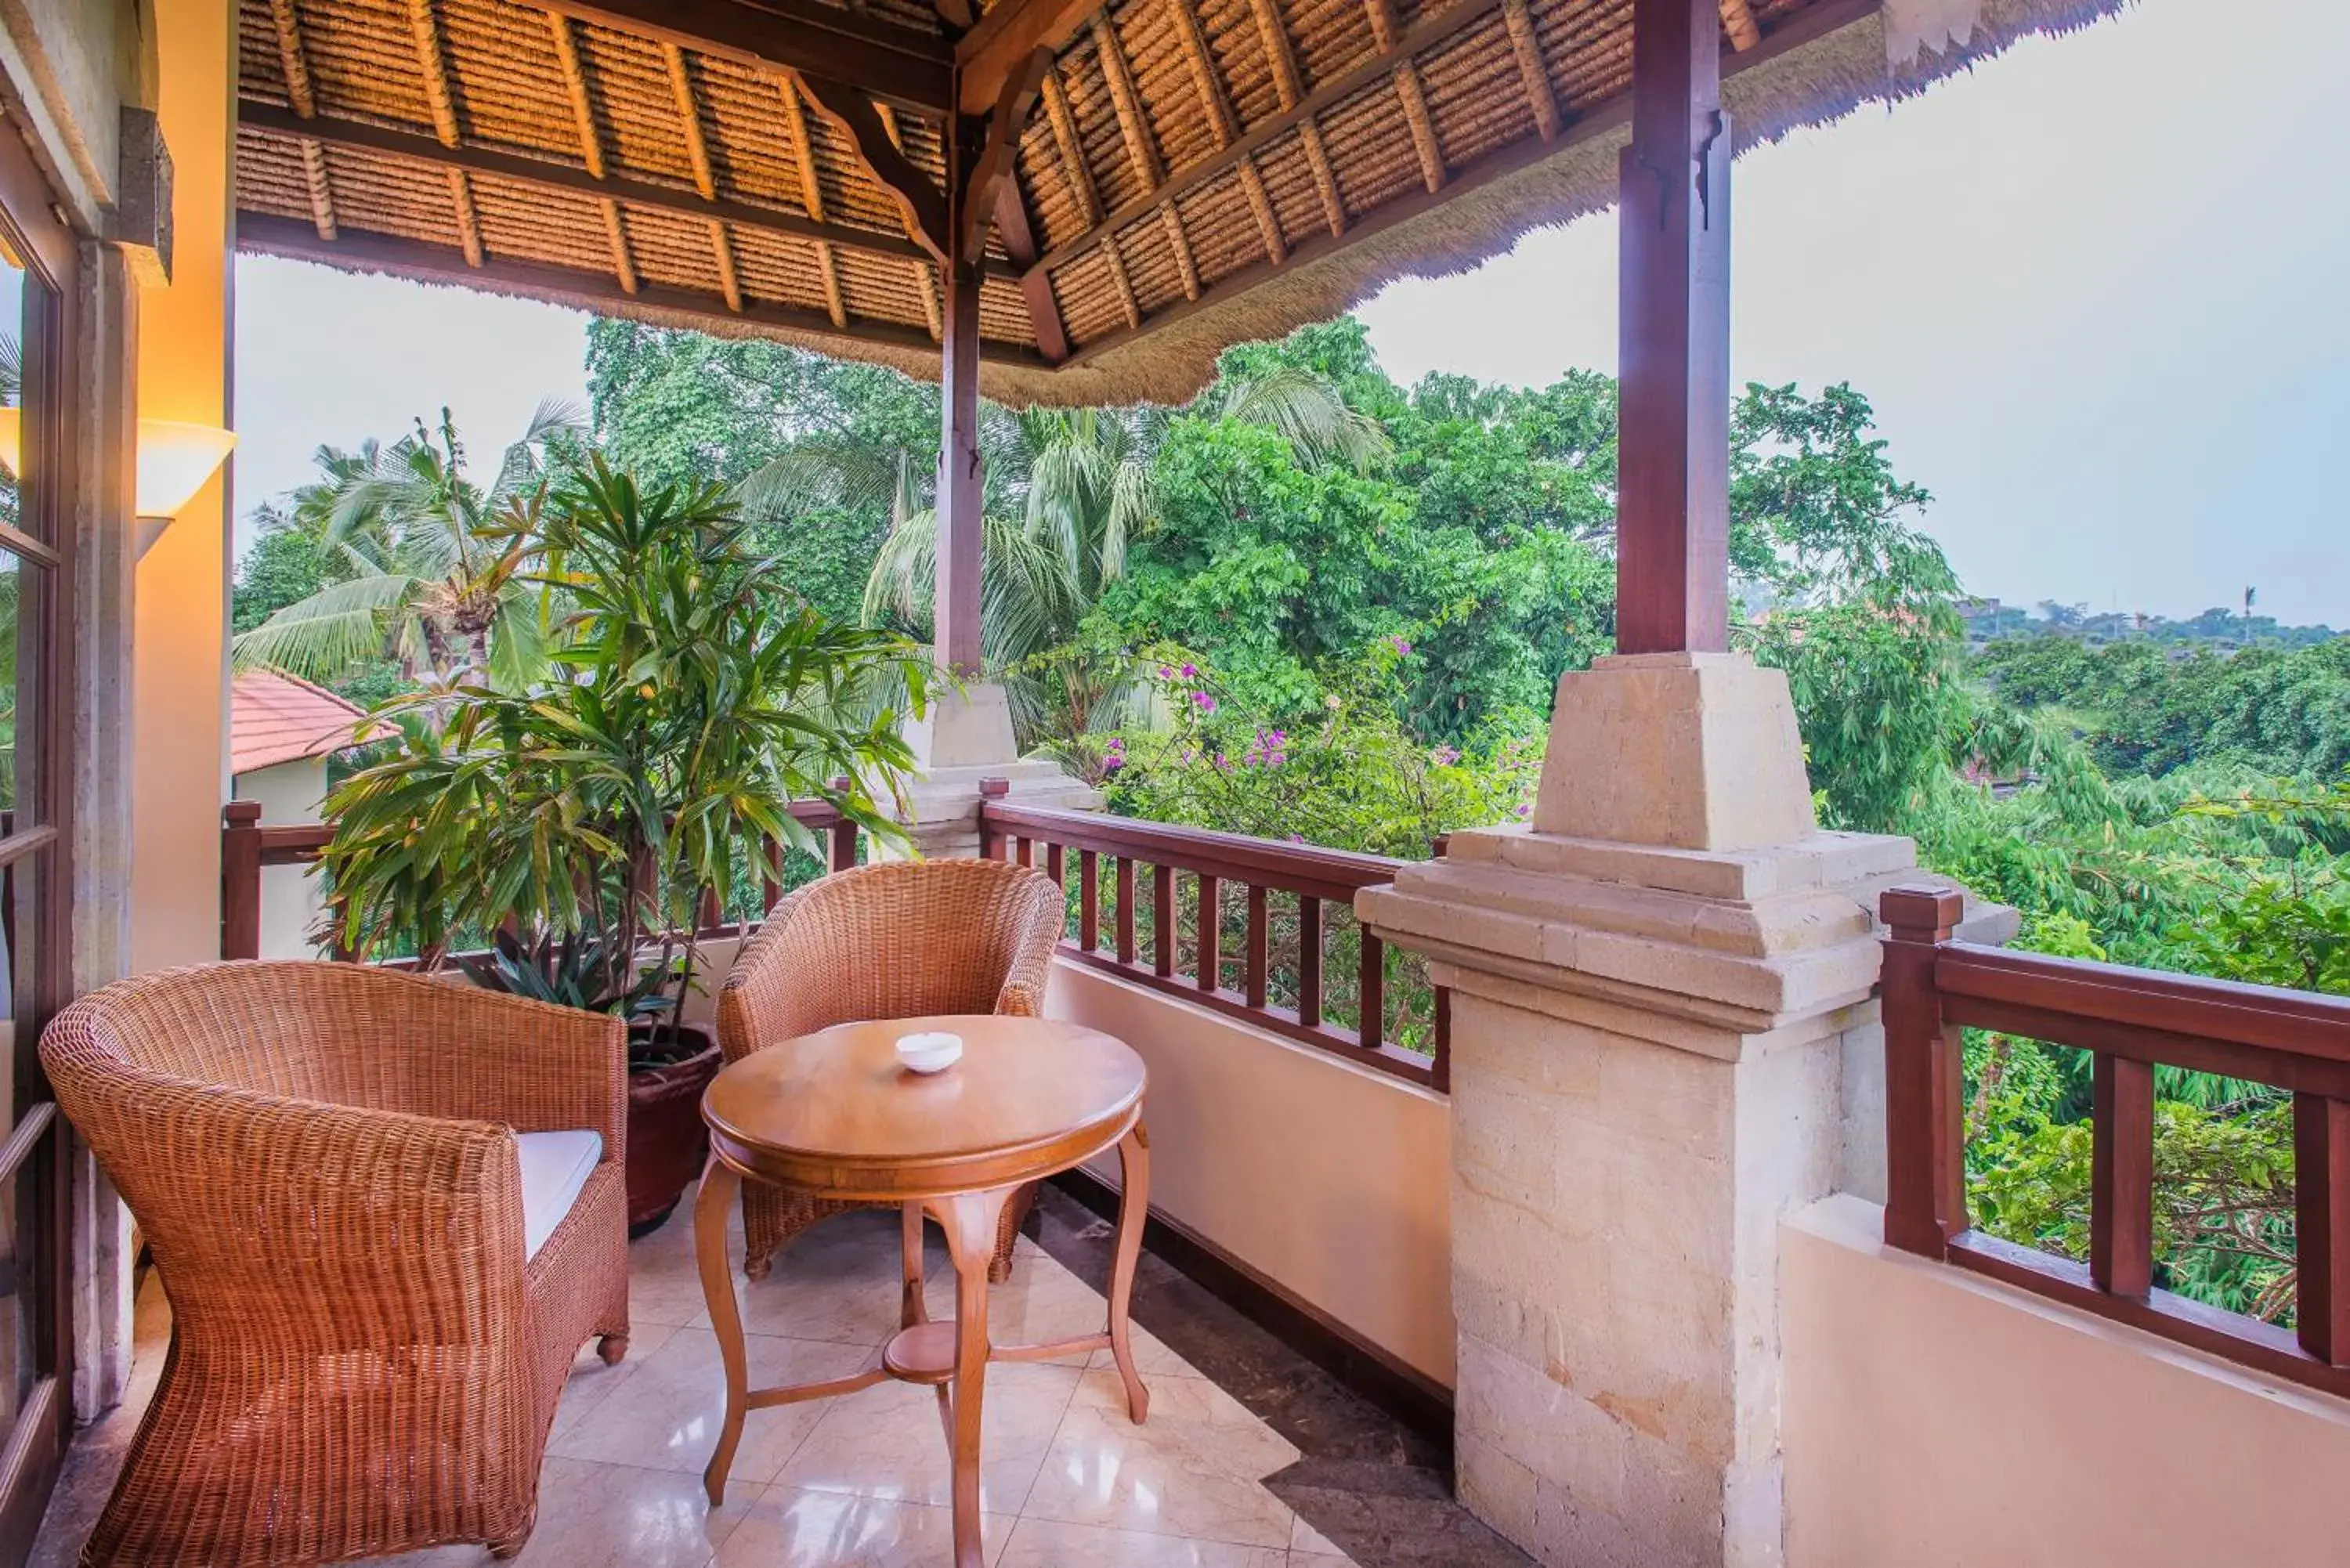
275,718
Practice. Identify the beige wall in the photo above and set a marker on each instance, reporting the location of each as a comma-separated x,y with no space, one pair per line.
180,647
1332,1180
1935,1419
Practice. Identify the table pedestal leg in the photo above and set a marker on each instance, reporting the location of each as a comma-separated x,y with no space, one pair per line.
970,1219
911,1308
1133,1209
712,1210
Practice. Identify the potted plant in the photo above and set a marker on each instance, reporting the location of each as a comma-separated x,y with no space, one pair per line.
694,697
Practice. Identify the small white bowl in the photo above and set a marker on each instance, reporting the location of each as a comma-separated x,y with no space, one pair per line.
930,1053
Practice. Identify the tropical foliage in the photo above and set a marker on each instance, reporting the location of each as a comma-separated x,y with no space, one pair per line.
695,697
413,563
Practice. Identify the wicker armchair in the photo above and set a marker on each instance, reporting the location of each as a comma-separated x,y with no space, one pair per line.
901,940
323,1159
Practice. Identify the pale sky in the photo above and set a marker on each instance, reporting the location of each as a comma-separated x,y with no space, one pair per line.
2093,289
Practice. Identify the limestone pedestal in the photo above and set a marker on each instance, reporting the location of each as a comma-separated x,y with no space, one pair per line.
965,738
1664,1037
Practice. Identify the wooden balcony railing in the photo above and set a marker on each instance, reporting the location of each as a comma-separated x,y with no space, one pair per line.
1290,994
246,846
1150,856
2130,1021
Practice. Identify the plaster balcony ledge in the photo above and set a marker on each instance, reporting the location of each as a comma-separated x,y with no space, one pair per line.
1741,943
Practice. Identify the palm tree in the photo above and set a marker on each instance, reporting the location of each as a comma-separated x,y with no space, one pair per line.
434,564
1065,491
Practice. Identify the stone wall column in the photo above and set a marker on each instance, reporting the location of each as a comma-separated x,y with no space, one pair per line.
1657,989
965,738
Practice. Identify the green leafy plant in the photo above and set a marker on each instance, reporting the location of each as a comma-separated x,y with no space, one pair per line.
694,698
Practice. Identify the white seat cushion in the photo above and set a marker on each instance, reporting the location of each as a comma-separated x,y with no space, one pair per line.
555,1167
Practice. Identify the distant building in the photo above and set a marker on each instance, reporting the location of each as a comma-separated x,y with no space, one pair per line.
282,731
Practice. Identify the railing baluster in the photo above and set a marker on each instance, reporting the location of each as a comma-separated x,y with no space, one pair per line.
844,834
709,910
1088,900
2321,1154
1212,933
1125,909
1310,960
1371,994
771,879
1439,1072
2121,1175
1025,851
241,879
1925,1178
1162,920
990,840
1258,959
1055,867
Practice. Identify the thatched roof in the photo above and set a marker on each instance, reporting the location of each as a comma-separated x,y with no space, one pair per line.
1192,173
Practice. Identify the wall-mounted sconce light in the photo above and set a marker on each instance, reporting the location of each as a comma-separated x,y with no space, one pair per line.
175,458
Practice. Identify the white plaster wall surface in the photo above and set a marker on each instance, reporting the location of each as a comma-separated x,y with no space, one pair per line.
1937,1419
1329,1179
291,902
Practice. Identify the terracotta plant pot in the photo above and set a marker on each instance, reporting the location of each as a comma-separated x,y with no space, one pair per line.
667,1141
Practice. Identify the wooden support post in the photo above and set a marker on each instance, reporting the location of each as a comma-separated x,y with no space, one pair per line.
1212,920
1163,920
1925,1172
1310,960
241,879
1672,527
2321,1153
1088,900
2121,1175
955,613
1259,951
991,844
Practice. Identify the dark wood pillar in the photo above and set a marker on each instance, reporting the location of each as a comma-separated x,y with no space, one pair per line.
1672,561
955,612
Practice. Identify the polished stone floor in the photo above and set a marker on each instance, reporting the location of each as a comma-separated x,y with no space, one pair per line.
1252,1458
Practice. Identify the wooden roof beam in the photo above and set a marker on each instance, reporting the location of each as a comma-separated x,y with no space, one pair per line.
1160,193
1210,84
1597,120
910,69
296,63
849,110
1534,76
1289,89
273,236
926,275
812,193
1738,21
424,28
1144,153
997,48
1408,93
368,137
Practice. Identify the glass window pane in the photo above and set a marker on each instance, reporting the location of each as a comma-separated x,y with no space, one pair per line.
12,387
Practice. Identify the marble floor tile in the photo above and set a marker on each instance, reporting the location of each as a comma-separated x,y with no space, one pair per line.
666,1414
888,1441
1045,1543
1170,1477
610,1516
789,1527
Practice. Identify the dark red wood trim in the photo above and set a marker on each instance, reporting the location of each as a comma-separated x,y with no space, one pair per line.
2223,1011
2321,1150
1392,1060
1921,1049
2121,1175
1309,960
1336,874
1208,973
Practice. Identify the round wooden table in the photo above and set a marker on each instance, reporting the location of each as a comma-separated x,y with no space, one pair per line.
832,1113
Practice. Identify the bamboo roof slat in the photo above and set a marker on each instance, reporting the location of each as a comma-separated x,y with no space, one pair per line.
1194,172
